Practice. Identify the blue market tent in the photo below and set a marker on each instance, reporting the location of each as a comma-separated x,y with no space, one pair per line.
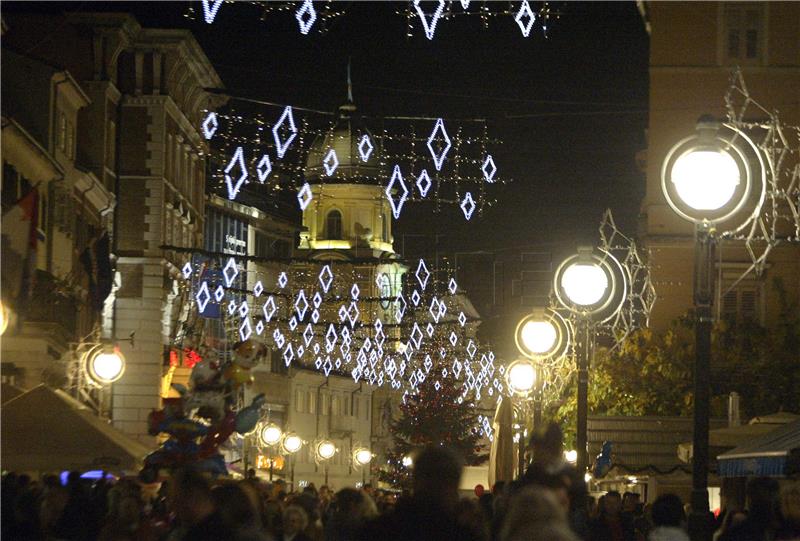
775,454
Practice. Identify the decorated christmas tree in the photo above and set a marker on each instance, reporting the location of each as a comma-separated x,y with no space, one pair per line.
436,414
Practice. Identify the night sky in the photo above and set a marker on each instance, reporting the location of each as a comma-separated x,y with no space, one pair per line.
571,109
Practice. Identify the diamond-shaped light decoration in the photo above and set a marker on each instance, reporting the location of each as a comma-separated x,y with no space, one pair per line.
230,272
401,306
365,148
422,274
235,186
353,314
462,319
301,304
308,334
260,327
210,125
468,206
210,9
330,338
415,297
525,18
342,313
269,308
288,354
245,330
397,205
330,163
281,145
471,349
203,296
436,310
187,270
258,289
264,168
429,24
219,293
416,335
292,323
304,196
424,183
489,169
452,286
355,292
317,300
453,338
439,131
306,15
325,278
283,280
429,329
244,309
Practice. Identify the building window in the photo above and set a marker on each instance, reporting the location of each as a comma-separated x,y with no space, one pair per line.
741,303
299,401
743,32
385,228
61,136
333,225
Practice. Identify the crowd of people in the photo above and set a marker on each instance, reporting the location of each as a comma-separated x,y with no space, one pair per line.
550,502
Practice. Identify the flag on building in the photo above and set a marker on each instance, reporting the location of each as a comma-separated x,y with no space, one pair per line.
19,251
96,260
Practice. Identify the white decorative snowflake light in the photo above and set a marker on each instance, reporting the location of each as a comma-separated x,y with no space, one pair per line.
468,206
525,18
331,162
210,125
397,206
429,24
489,169
424,183
306,15
264,168
210,9
365,147
438,160
304,196
234,187
286,116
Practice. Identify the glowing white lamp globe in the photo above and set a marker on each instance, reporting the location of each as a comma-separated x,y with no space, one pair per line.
362,456
3,318
326,449
106,365
571,456
407,461
705,179
584,283
521,377
539,336
271,434
292,443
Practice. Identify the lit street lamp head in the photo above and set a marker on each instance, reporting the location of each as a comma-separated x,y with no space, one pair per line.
538,337
271,434
362,456
292,443
105,365
326,449
705,179
592,284
521,376
584,283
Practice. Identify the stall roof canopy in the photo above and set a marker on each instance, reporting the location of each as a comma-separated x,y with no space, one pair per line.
47,430
776,454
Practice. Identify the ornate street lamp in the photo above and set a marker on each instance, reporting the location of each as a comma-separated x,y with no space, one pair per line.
291,444
713,176
361,458
593,285
270,435
324,451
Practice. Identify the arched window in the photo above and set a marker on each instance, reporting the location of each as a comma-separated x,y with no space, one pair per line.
333,225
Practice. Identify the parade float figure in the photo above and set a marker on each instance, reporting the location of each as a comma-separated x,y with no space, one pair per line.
203,418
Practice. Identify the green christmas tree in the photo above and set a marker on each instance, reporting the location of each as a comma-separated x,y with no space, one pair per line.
433,415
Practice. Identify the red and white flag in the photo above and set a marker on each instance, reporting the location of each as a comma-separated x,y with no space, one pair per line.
19,250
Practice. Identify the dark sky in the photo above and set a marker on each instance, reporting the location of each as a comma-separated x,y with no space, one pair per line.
570,109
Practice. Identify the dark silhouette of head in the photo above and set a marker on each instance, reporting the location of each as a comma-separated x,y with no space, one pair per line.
437,472
667,511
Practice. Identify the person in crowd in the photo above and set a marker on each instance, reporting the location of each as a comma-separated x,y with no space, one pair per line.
237,506
432,512
295,522
611,524
535,513
193,504
790,513
762,519
125,519
349,511
669,522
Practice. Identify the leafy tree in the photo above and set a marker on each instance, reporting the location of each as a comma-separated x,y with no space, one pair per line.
651,373
433,415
